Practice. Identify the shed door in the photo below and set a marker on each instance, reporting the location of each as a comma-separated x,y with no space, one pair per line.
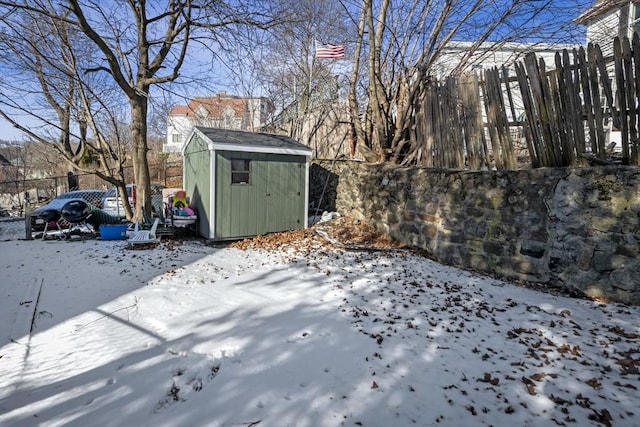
284,196
272,200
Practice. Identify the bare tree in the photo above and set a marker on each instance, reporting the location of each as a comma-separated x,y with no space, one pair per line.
132,45
398,45
307,92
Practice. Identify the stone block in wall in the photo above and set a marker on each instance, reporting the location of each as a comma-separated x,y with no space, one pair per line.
430,219
629,220
409,229
450,254
537,232
561,260
475,228
456,238
478,262
493,248
430,230
608,262
473,212
626,278
524,267
430,209
585,258
628,250
533,248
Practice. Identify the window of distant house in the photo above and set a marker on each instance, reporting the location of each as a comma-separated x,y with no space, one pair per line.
202,112
240,171
176,138
228,116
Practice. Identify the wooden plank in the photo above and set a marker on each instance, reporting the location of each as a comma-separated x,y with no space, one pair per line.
585,79
635,147
555,118
434,124
629,121
456,153
427,143
570,107
440,143
530,128
607,90
621,94
458,127
550,130
492,119
507,84
472,118
506,80
490,108
599,143
541,117
577,117
503,123
567,107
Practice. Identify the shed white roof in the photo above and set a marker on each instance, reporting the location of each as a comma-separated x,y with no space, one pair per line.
256,142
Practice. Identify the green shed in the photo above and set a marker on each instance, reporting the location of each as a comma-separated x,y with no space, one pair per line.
245,184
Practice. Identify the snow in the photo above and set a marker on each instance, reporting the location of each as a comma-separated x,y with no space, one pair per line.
190,334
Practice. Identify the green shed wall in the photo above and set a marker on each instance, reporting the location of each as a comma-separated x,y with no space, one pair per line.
197,181
274,200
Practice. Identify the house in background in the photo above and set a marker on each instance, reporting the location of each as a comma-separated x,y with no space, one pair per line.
221,111
459,56
606,19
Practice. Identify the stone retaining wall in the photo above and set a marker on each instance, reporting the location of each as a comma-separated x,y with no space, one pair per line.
574,228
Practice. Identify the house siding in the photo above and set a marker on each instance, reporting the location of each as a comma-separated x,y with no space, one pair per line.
276,197
603,30
196,180
273,201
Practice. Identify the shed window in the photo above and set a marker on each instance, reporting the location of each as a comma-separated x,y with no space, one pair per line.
240,171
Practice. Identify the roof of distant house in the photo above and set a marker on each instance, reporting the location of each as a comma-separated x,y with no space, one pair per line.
214,105
600,7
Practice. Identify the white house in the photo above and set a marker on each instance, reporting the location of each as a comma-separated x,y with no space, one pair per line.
221,111
606,19
487,55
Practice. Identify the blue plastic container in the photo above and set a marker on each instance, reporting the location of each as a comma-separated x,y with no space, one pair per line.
113,231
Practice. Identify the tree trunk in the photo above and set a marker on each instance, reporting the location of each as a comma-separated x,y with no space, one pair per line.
142,179
377,95
357,126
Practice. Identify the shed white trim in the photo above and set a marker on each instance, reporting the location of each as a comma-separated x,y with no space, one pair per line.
215,146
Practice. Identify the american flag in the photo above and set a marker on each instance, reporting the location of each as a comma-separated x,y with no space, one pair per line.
330,51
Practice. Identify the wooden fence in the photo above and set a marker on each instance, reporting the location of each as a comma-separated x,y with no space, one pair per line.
549,116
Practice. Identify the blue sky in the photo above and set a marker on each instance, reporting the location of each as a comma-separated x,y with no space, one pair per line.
559,18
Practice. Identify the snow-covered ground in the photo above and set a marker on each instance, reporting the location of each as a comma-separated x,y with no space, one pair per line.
189,334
